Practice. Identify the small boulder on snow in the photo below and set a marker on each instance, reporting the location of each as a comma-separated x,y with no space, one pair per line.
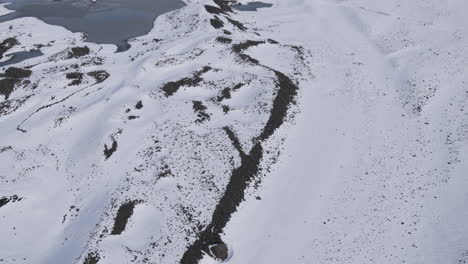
219,251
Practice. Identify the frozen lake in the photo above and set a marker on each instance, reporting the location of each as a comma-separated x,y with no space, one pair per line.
103,21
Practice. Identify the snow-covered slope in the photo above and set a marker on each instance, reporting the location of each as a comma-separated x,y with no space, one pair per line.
308,132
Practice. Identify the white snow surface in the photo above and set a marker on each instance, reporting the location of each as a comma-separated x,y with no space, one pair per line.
370,165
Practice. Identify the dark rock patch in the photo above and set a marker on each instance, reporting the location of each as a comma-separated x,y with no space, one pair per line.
13,72
7,86
76,77
200,109
241,47
123,214
6,45
286,96
5,200
213,10
132,117
224,40
237,24
216,22
77,52
225,94
109,151
171,88
139,105
92,258
224,5
99,76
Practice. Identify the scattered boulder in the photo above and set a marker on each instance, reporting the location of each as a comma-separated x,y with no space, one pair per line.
219,251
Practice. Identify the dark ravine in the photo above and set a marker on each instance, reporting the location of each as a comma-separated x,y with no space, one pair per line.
243,175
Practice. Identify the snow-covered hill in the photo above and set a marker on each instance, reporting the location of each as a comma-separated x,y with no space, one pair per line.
308,132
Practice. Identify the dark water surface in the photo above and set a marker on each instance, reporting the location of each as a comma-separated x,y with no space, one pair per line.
20,56
103,21
251,6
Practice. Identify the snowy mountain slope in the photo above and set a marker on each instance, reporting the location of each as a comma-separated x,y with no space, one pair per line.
374,171
144,156
123,157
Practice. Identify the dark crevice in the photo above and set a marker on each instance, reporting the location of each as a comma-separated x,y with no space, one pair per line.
235,141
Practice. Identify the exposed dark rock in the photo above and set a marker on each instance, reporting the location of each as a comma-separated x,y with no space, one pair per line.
7,86
237,24
77,78
241,47
6,45
200,109
12,199
224,40
132,117
77,52
213,10
224,5
225,94
286,96
92,258
216,22
13,72
139,105
171,88
109,151
123,214
99,76
220,251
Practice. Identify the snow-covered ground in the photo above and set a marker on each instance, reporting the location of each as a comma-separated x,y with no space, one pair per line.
345,122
